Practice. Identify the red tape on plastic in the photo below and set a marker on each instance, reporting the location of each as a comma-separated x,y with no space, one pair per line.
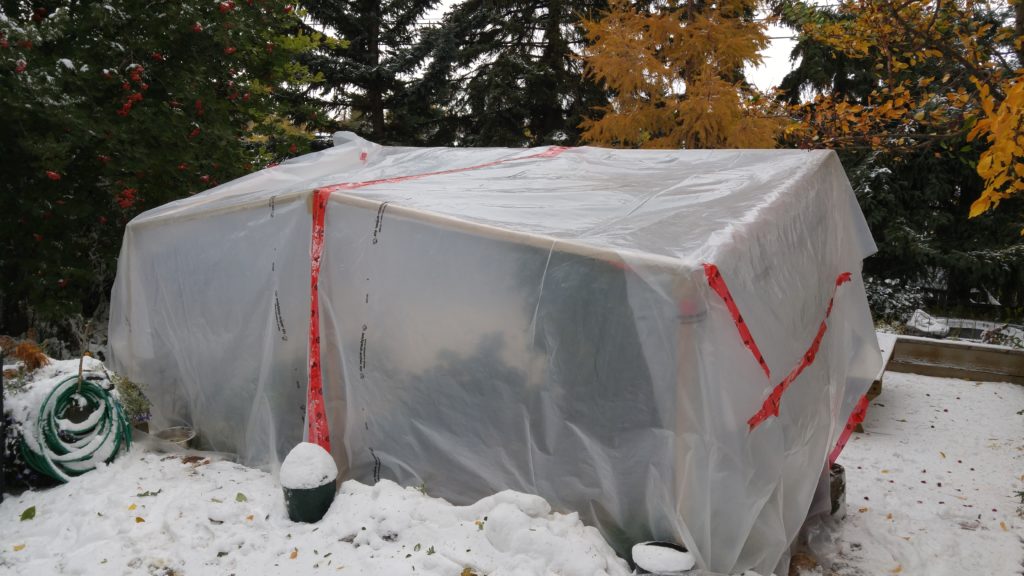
771,404
717,284
856,417
319,432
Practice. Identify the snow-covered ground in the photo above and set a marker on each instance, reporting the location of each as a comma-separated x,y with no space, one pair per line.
151,513
930,490
930,485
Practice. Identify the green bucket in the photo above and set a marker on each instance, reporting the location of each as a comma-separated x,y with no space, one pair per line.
309,504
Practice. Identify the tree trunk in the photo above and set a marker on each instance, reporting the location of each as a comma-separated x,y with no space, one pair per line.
374,89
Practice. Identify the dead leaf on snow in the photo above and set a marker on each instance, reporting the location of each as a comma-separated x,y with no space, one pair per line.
294,554
863,510
897,569
19,547
1003,526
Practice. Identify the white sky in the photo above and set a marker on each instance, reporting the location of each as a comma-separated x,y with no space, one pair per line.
776,59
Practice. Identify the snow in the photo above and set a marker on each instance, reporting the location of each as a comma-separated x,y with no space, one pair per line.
66,63
658,558
927,324
930,490
155,513
24,404
931,483
307,466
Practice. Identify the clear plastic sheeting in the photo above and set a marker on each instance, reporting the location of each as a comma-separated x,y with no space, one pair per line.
538,320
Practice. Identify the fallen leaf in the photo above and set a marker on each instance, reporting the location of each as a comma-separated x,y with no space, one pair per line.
941,453
467,571
19,547
139,519
1003,526
885,471
888,516
294,554
29,513
240,497
249,517
132,507
897,569
863,510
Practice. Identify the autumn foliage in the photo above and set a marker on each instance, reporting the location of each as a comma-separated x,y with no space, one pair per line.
946,69
675,74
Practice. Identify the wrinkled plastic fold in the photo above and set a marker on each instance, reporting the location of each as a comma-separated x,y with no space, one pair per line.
541,320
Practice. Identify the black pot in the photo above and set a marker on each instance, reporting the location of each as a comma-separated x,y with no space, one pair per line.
837,490
309,504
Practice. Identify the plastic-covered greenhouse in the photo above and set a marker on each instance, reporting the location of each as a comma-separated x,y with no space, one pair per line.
668,342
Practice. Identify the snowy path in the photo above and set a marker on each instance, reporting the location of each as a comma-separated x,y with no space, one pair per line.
930,486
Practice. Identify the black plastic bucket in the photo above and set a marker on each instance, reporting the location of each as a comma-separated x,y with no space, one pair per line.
309,504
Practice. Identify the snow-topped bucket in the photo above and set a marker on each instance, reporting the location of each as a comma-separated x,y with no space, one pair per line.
308,477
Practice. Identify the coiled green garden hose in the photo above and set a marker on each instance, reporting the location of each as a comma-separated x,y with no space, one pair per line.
60,448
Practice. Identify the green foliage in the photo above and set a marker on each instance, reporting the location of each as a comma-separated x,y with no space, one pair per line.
508,73
114,107
133,400
368,69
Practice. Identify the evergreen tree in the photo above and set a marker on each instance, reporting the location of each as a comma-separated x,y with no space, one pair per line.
366,79
114,107
508,73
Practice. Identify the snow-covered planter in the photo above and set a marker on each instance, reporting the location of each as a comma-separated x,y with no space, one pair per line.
308,477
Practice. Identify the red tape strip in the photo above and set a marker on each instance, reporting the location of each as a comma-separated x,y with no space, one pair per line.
856,417
771,404
717,284
319,432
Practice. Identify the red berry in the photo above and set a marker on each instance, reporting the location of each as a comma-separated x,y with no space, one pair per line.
126,86
103,219
62,283
26,44
226,7
157,57
193,133
182,167
293,149
230,50
4,43
204,178
20,66
38,14
104,159
38,237
197,27
53,175
288,9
